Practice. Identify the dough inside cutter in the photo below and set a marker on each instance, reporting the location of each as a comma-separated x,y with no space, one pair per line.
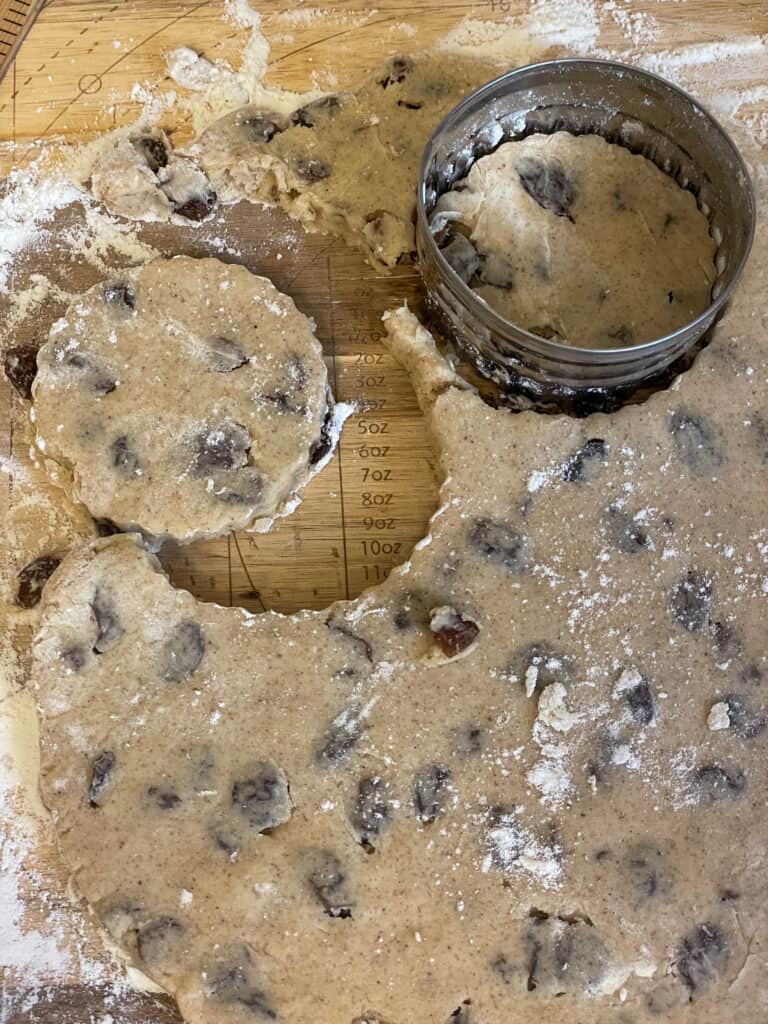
579,240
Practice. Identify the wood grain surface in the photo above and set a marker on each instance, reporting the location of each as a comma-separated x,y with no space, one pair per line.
71,80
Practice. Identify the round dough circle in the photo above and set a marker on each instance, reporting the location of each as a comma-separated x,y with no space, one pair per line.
577,239
185,398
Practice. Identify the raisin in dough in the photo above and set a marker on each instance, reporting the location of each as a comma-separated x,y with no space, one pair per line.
185,398
487,790
345,164
580,240
139,176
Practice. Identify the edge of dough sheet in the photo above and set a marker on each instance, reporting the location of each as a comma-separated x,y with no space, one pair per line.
437,387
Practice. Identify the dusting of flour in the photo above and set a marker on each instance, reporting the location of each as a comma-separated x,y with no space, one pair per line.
29,203
45,939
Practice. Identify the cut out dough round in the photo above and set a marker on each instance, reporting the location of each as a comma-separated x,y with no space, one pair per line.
186,398
574,238
537,824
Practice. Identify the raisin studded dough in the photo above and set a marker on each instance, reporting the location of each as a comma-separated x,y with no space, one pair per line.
139,176
345,164
576,239
524,779
185,398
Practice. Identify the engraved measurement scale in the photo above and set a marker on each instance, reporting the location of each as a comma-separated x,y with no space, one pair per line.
364,512
16,19
362,515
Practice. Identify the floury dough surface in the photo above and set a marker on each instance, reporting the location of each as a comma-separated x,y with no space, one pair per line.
347,163
492,789
185,398
576,239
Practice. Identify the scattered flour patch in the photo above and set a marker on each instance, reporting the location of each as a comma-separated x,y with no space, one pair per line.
572,24
629,679
719,717
623,756
565,25
531,679
103,237
498,40
514,849
34,195
324,81
301,16
704,55
15,469
539,478
23,949
553,713
154,102
50,945
403,28
30,201
39,290
240,12
749,107
682,765
703,68
550,775
639,27
193,71
304,17
216,89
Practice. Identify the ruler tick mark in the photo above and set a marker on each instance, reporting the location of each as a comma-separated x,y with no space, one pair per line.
229,566
255,594
338,449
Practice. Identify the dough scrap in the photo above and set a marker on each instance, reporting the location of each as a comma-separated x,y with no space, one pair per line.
281,802
345,164
576,239
139,176
184,398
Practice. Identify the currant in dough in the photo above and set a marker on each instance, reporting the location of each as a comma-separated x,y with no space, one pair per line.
185,398
315,817
573,238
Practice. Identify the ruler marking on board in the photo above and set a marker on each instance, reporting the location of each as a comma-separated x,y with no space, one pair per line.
345,549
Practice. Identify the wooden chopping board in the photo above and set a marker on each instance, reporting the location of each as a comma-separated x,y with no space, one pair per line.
72,78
